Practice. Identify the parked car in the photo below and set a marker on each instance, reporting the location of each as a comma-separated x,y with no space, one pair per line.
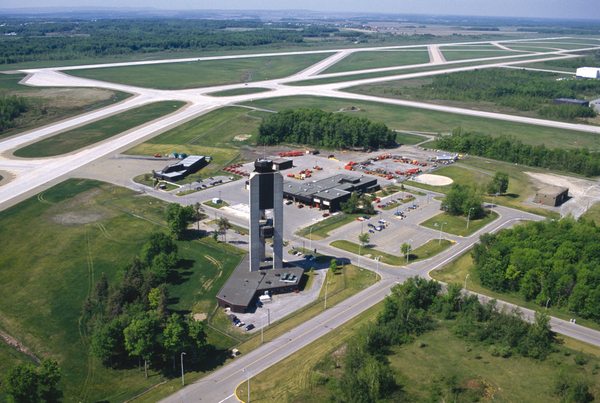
249,327
240,324
300,205
287,203
235,322
259,304
378,228
371,231
325,214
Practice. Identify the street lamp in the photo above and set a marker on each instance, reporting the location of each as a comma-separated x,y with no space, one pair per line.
441,228
466,281
378,257
247,371
408,252
359,246
469,216
182,379
329,282
310,240
547,303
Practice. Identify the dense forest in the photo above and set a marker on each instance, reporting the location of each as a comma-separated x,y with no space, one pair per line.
10,109
506,148
554,262
518,89
417,306
91,39
314,127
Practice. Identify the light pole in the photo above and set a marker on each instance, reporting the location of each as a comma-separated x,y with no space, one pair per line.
268,317
466,281
441,228
378,257
359,246
182,379
408,252
547,303
329,282
310,236
262,329
248,376
469,216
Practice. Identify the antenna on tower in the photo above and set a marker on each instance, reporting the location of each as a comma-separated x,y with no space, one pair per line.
264,151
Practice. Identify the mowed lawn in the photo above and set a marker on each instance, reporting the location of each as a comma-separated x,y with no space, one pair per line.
172,76
375,59
423,120
218,134
97,131
54,247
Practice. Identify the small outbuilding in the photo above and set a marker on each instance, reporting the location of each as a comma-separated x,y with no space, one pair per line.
282,164
551,196
568,101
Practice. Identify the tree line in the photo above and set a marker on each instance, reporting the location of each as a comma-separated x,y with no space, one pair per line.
104,38
507,148
10,109
549,262
418,306
317,128
522,90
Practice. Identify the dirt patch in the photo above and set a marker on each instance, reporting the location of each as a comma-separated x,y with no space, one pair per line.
242,137
200,317
434,180
79,210
14,343
69,97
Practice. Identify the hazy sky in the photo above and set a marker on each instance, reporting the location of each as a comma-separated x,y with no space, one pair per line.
583,9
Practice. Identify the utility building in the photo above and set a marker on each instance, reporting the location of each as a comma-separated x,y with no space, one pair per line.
266,192
568,101
180,170
551,196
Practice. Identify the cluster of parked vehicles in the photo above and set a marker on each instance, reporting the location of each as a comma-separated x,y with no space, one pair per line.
239,323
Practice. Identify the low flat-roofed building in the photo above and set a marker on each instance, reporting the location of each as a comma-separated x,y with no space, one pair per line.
568,101
330,192
281,164
183,168
551,195
244,288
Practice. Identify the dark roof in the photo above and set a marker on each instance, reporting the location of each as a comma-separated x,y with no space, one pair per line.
328,188
242,285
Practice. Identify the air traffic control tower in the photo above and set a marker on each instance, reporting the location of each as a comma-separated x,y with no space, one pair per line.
266,192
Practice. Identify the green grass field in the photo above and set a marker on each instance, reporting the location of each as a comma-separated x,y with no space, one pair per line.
55,246
374,60
239,91
182,75
454,55
97,131
457,225
410,139
423,120
352,77
321,229
425,251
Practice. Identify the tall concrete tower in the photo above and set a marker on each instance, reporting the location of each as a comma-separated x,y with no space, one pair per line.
266,192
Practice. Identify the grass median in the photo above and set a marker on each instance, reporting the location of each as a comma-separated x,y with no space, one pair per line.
425,251
322,229
457,225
